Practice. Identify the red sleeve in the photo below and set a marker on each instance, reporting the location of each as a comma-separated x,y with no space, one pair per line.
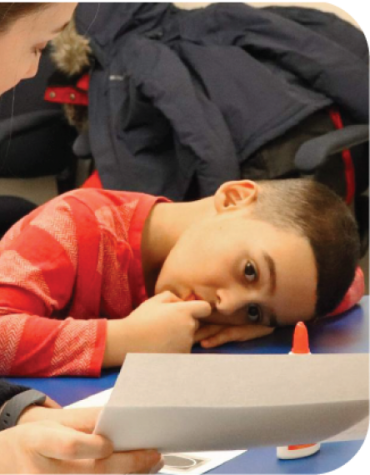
38,265
93,181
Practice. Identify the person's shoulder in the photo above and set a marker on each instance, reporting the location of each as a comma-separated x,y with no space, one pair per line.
8,390
96,198
110,210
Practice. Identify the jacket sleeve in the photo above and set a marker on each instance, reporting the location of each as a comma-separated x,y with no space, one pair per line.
7,391
322,63
38,265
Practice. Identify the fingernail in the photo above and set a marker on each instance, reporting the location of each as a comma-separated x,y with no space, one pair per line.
157,468
154,455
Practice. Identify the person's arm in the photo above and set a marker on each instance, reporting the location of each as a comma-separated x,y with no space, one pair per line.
47,439
17,400
49,347
8,390
38,266
37,275
47,447
162,324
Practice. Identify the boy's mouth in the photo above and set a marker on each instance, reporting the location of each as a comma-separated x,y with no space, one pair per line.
192,296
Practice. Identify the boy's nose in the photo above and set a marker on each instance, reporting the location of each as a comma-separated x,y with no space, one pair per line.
228,301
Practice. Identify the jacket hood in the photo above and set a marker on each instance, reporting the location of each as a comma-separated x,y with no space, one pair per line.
71,51
92,18
87,33
87,36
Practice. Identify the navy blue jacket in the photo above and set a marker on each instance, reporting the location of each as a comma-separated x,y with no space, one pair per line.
181,98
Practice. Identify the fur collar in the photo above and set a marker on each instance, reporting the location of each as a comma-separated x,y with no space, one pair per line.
71,54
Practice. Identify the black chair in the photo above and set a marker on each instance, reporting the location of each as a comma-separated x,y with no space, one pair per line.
35,141
319,156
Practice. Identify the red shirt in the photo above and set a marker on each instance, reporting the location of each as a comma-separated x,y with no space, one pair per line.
65,269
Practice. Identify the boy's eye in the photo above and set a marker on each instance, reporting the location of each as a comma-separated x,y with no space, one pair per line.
254,313
250,272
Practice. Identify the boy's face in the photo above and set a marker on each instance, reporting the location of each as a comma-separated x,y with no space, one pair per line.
248,270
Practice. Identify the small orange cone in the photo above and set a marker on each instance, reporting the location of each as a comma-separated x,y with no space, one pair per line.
300,340
300,347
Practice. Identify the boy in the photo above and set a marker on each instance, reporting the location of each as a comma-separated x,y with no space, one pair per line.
253,256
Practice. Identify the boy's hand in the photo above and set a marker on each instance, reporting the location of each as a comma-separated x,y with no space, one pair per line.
211,336
162,324
165,324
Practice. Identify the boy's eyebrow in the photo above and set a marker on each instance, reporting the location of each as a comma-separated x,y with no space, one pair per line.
272,270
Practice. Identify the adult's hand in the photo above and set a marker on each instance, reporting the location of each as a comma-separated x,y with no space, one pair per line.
81,419
151,471
50,447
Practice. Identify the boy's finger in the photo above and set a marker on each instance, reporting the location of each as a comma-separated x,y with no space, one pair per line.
166,297
236,333
206,331
197,308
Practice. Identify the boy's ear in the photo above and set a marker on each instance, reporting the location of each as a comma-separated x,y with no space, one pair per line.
235,194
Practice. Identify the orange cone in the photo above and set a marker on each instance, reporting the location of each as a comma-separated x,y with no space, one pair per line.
300,347
300,340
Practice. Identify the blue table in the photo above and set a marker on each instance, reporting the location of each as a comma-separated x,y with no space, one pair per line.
348,333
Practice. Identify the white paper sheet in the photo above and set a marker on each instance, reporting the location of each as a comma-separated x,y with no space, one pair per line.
355,432
96,400
187,403
196,463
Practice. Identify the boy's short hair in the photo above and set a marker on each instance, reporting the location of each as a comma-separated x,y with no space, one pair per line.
318,214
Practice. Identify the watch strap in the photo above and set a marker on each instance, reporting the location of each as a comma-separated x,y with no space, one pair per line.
13,408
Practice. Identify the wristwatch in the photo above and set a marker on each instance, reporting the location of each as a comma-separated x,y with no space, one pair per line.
13,408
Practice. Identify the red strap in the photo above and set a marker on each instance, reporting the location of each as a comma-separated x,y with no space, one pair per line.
349,170
66,95
70,94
